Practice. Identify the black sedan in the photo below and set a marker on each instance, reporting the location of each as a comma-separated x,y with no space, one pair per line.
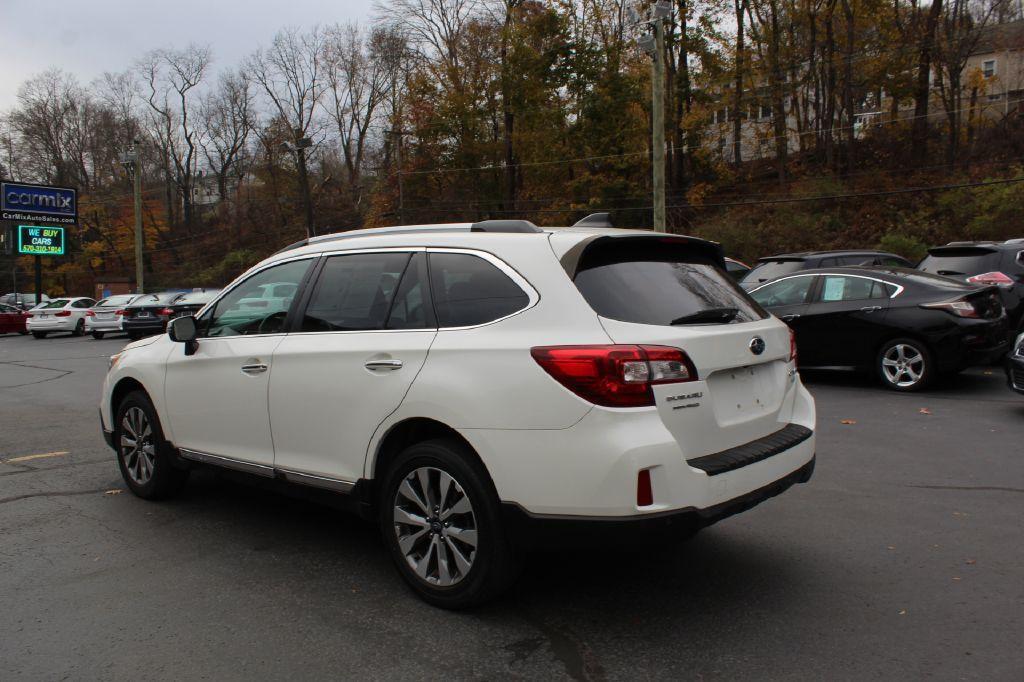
907,326
148,314
1015,366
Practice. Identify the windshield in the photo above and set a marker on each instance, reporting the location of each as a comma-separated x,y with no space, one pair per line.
770,269
123,299
960,261
648,282
198,297
150,299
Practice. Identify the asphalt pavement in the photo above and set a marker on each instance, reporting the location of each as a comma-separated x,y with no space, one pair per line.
902,558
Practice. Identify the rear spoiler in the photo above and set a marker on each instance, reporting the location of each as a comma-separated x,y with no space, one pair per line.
711,250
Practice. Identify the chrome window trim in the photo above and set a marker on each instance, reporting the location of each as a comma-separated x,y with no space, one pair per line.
899,287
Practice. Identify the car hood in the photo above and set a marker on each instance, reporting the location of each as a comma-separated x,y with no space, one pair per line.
142,342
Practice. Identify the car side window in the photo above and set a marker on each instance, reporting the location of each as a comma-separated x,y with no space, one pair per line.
251,307
790,291
828,262
355,292
82,303
468,290
411,308
881,290
836,288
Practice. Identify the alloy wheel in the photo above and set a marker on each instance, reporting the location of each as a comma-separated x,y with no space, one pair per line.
903,365
138,447
435,526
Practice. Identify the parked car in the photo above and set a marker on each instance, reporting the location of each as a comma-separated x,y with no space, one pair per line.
601,380
737,269
1015,365
192,302
988,263
907,326
773,267
59,315
12,320
22,301
148,314
105,317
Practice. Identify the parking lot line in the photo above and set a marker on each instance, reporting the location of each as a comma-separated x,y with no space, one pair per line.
26,458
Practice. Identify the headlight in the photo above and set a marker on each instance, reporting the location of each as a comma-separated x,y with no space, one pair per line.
1019,346
113,360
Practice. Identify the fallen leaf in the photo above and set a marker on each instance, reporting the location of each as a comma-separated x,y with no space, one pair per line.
891,547
903,612
115,491
987,372
924,410
956,577
847,421
971,562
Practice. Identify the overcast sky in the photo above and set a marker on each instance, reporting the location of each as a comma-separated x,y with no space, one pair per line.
88,37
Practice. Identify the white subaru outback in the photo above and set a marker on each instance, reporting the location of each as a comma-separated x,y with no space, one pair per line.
477,389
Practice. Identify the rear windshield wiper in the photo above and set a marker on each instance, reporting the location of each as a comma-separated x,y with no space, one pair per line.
708,315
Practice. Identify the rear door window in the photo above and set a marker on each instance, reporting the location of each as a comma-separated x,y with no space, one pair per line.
354,292
468,290
650,282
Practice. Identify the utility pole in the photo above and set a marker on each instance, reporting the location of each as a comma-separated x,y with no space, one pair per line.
658,123
654,45
132,164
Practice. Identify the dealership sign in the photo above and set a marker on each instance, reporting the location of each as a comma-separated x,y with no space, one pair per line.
38,203
35,240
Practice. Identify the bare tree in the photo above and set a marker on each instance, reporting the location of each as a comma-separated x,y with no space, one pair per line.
169,78
357,79
291,73
227,121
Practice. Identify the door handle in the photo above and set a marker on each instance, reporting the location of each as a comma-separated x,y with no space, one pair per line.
870,308
383,365
254,369
790,318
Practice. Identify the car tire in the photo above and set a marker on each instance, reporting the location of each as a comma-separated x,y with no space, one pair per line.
133,337
97,335
145,459
905,365
453,552
39,335
79,329
23,333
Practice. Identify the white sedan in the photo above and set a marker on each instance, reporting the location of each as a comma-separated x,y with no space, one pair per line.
60,315
105,316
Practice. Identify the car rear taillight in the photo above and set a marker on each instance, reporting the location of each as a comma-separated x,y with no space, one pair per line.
959,307
998,279
792,346
615,375
120,312
63,313
167,311
89,313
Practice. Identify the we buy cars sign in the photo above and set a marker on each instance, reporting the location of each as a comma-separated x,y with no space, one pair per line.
23,202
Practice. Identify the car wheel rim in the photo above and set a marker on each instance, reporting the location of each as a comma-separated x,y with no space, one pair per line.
903,365
138,447
435,526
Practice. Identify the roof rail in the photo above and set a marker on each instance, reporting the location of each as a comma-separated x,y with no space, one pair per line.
369,231
595,220
505,226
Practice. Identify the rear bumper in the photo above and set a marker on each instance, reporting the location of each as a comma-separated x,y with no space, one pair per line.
152,326
94,325
541,531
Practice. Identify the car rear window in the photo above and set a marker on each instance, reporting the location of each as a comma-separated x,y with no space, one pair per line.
197,297
650,282
955,262
124,299
59,303
770,269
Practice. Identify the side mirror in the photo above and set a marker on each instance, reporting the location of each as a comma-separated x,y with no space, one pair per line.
183,330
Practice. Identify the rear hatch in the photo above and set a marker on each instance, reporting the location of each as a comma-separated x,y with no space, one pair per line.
960,262
673,292
149,309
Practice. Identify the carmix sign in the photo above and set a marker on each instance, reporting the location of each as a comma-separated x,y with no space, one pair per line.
38,203
34,240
